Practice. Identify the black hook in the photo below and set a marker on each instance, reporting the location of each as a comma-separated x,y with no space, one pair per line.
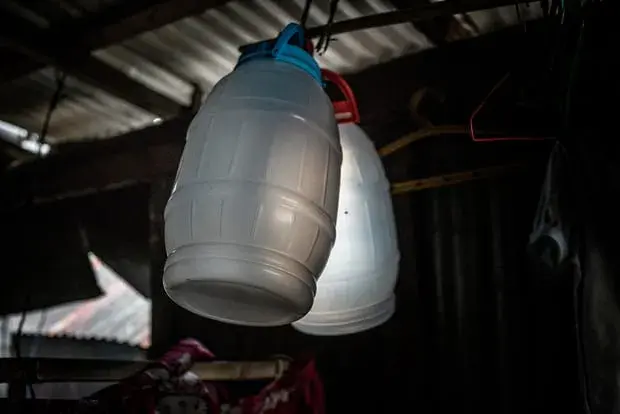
326,36
305,13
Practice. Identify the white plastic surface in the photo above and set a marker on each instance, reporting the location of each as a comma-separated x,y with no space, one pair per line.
356,290
251,219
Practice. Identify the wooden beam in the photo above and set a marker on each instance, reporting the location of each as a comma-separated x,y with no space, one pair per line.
43,13
122,23
41,370
14,7
141,156
114,25
25,38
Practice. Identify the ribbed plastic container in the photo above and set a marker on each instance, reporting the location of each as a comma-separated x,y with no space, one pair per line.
251,219
356,289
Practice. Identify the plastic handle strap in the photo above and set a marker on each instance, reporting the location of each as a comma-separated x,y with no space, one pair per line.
346,111
292,31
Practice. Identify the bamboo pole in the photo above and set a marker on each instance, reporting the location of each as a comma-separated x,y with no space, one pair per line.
453,178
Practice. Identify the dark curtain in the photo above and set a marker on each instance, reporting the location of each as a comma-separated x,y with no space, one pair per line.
594,148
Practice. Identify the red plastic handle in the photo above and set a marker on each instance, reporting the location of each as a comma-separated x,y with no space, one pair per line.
346,111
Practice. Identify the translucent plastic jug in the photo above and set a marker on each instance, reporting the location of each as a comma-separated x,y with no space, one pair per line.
356,290
251,219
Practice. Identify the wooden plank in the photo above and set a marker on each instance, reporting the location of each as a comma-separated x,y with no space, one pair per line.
41,370
416,136
25,38
119,23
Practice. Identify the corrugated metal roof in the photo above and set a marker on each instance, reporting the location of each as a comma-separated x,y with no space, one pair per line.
49,13
201,50
473,283
84,111
121,314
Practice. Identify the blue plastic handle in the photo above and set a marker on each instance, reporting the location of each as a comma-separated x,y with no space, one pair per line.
285,36
288,47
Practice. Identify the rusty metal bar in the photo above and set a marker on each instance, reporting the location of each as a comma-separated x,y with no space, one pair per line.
415,13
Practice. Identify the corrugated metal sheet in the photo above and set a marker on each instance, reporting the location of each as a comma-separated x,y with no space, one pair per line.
479,302
84,111
473,331
63,346
201,50
121,314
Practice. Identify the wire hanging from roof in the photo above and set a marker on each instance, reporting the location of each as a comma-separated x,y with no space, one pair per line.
17,346
305,13
326,35
60,84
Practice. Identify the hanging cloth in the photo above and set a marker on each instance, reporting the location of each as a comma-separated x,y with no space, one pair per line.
298,391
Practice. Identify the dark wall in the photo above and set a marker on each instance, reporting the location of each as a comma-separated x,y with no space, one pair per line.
474,328
44,259
117,226
45,255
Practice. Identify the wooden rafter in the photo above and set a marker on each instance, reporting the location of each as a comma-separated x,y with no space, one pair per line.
21,36
41,370
122,23
114,25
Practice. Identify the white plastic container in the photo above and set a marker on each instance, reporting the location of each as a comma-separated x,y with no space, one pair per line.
356,290
251,219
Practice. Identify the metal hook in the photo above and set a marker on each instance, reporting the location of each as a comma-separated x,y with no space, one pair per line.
326,36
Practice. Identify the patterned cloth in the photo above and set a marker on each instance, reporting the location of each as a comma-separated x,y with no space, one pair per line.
169,387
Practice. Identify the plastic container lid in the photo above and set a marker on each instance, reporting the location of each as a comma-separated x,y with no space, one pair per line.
288,47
